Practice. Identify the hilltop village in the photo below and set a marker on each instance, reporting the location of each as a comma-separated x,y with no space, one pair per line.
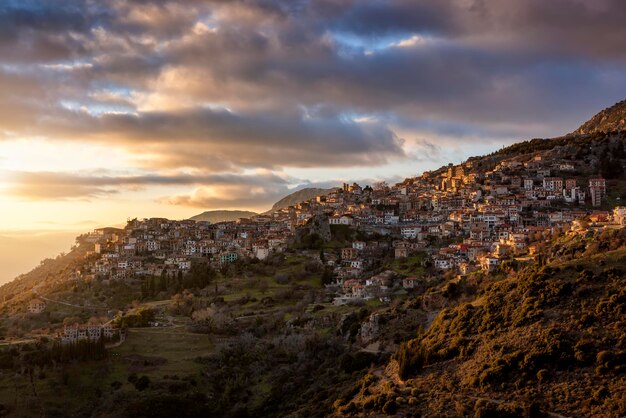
459,219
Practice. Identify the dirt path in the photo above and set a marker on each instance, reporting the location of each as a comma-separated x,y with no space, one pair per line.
95,308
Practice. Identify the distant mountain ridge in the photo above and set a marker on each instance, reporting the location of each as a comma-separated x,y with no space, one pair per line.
294,198
215,216
300,196
610,119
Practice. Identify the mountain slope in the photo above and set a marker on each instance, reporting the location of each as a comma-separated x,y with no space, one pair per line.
608,120
547,340
215,216
299,196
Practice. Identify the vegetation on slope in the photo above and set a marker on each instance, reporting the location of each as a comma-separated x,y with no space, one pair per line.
299,196
549,338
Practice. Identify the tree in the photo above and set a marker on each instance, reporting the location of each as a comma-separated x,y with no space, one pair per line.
142,383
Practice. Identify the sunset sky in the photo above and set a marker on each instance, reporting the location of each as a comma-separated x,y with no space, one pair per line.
112,109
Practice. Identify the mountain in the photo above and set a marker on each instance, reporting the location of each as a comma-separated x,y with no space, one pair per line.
215,216
299,196
608,120
294,198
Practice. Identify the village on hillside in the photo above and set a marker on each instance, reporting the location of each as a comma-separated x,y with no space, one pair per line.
457,220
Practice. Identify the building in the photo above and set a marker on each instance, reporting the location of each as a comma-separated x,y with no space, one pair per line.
359,245
528,184
410,282
349,253
554,184
619,215
489,263
36,306
401,252
341,220
230,257
597,189
261,252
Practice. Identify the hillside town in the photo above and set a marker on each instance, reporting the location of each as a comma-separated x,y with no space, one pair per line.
459,219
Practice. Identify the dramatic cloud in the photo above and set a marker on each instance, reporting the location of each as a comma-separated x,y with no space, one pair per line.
226,87
43,185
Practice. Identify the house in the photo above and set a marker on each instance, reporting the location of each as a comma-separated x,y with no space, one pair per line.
466,268
619,215
229,257
401,252
184,264
358,291
443,263
410,282
528,184
356,264
349,253
261,252
359,245
410,232
341,220
107,330
94,331
597,189
36,306
489,263
553,183
570,184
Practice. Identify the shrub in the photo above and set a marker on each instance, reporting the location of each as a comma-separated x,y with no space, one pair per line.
411,358
142,383
390,407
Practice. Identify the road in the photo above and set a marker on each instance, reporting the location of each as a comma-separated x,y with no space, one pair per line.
95,308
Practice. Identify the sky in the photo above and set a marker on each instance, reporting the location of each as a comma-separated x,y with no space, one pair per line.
111,109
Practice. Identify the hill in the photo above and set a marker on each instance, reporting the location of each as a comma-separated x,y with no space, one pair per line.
215,216
294,198
610,119
19,253
545,340
299,196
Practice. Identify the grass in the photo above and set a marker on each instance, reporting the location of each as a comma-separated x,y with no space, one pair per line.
616,190
410,266
178,346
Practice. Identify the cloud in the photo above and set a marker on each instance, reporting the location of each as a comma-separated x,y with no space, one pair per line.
247,139
230,196
222,88
212,191
60,186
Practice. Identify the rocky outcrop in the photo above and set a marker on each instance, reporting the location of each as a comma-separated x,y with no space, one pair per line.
370,329
608,120
317,225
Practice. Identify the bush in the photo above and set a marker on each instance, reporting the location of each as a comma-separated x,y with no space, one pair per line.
142,383
411,358
390,407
